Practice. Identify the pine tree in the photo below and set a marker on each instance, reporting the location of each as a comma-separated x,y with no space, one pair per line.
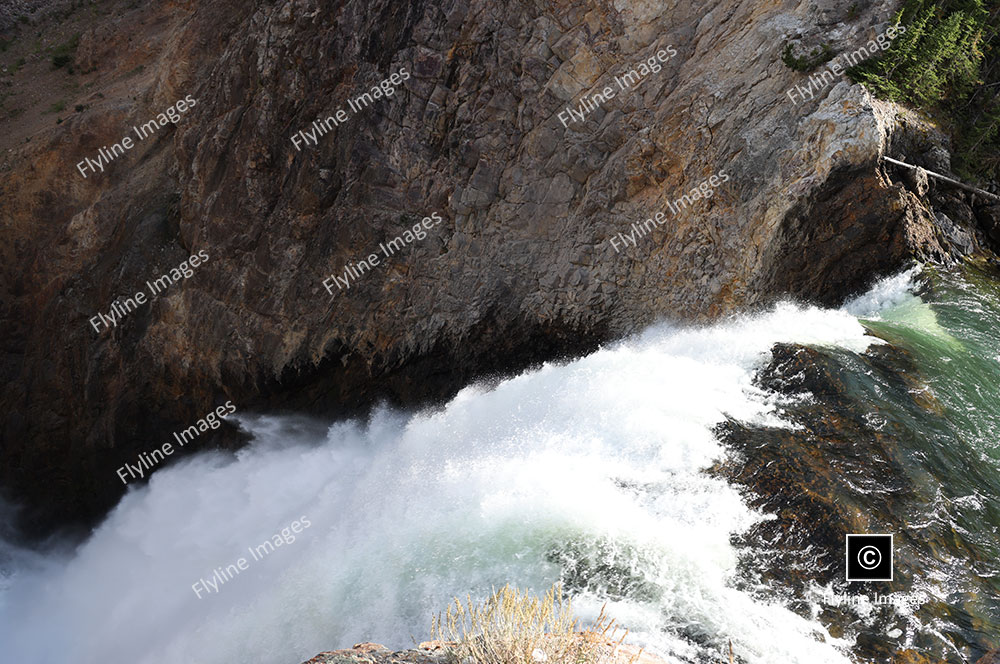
947,60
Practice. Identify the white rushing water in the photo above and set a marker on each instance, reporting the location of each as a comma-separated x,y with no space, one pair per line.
597,464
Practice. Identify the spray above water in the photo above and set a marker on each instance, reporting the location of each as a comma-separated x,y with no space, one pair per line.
590,473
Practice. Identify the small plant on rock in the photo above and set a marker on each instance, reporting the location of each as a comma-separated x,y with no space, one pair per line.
62,54
517,628
818,56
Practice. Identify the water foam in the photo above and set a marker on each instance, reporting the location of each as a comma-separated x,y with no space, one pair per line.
885,295
591,466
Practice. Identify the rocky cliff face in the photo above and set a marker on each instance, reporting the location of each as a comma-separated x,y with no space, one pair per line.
521,268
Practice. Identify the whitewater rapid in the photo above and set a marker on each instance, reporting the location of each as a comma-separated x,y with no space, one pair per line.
581,468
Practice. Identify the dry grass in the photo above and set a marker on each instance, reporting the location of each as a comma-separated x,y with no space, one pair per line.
517,628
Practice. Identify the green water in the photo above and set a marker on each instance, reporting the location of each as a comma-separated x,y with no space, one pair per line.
952,331
910,442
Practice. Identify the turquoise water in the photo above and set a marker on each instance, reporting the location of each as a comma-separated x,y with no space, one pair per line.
953,334
905,439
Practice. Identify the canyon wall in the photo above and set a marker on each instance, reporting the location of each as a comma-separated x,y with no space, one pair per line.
522,267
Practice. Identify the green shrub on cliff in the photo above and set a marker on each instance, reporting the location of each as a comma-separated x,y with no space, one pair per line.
947,61
809,62
517,628
62,54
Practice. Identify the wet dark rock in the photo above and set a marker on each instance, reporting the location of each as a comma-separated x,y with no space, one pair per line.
840,468
992,657
914,657
797,473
